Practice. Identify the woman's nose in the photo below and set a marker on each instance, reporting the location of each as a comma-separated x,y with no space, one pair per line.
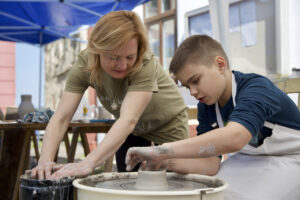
122,64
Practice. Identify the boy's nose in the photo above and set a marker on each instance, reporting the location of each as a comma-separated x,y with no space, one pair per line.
193,91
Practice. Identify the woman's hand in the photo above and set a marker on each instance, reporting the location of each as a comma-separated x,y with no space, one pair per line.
80,169
43,170
152,158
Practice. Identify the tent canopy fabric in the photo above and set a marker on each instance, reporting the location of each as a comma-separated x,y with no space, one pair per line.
41,22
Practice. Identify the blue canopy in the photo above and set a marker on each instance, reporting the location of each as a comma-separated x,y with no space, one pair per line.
43,21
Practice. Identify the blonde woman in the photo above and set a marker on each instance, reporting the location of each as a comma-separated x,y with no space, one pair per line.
130,83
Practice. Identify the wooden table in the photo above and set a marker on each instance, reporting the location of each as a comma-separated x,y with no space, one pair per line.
16,139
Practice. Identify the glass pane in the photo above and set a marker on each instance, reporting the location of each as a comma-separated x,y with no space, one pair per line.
153,32
167,5
151,9
168,42
200,24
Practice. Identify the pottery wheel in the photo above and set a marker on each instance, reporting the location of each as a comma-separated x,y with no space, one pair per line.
129,184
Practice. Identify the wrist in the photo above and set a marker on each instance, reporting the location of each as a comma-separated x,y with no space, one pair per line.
90,162
44,160
167,150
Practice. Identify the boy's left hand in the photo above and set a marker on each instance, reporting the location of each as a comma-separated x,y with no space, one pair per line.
152,158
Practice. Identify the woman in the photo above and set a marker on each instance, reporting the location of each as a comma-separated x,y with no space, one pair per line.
130,83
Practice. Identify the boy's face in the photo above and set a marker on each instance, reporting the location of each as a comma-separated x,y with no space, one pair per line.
206,83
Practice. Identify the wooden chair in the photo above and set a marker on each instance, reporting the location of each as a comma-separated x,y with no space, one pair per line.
12,114
289,86
1,115
193,122
192,112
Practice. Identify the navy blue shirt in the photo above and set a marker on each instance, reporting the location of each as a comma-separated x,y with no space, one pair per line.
257,100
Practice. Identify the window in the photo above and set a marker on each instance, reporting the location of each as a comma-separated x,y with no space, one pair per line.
252,34
161,24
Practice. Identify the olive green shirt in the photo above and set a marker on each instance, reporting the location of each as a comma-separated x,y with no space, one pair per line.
166,103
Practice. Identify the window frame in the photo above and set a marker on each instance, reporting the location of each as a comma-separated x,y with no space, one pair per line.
159,19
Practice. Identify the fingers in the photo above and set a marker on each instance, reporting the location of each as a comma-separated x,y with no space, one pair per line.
42,171
81,169
33,173
163,165
57,167
131,159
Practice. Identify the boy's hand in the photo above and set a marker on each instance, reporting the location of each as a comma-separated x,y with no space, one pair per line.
152,158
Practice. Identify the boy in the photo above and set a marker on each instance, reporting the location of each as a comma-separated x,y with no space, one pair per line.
262,127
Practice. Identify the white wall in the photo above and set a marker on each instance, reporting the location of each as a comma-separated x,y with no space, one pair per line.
294,33
28,73
184,6
140,11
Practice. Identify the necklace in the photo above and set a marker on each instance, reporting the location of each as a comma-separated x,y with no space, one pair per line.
114,105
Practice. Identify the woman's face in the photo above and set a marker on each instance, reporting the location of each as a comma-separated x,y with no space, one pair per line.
119,63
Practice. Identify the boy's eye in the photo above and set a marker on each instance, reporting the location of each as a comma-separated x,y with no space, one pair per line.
195,81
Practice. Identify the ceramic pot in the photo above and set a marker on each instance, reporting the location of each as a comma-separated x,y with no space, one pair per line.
25,106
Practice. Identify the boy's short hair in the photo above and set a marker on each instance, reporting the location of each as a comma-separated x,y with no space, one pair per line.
196,49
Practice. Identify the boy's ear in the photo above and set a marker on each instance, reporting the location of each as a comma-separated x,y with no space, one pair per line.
221,62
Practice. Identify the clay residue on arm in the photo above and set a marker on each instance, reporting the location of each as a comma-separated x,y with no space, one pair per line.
209,150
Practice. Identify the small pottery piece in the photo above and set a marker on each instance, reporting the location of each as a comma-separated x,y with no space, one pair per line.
25,106
151,180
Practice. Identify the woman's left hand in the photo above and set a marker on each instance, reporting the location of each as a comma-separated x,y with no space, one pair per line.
80,169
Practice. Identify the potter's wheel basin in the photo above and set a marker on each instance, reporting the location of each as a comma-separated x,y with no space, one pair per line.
88,186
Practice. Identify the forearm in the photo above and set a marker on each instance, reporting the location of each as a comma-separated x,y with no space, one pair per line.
213,143
53,136
205,166
132,108
111,142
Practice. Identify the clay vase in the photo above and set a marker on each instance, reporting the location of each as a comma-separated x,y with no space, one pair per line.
25,106
152,180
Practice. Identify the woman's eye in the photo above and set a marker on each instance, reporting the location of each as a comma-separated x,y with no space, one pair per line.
130,57
113,58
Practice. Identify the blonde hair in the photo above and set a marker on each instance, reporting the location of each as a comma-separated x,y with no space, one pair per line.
111,32
197,49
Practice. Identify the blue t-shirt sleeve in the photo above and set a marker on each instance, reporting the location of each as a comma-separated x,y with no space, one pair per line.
256,102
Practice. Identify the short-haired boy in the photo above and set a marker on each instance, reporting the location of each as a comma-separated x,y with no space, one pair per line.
244,114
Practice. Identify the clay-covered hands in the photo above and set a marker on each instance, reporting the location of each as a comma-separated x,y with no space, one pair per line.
152,158
80,169
43,170
51,171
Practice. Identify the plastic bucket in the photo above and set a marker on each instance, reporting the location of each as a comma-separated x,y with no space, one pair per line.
33,189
